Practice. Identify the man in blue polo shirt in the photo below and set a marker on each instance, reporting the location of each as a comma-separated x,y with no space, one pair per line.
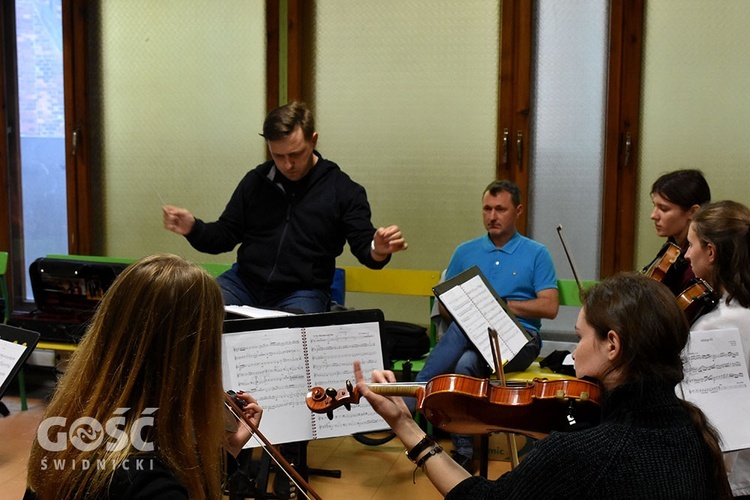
520,270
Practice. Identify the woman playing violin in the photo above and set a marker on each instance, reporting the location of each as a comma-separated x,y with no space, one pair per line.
719,252
650,444
147,379
676,196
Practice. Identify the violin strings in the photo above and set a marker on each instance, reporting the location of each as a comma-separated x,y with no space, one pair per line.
262,445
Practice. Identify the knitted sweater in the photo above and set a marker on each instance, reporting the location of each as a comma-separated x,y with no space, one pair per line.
645,447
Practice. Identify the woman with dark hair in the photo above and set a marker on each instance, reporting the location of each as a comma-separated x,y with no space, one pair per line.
142,398
719,253
649,444
676,196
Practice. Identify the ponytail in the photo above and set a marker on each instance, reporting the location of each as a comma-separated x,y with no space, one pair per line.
711,439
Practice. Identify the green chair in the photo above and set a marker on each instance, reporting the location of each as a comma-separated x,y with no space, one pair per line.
6,317
569,292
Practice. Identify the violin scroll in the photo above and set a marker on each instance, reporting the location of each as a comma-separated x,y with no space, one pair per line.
320,400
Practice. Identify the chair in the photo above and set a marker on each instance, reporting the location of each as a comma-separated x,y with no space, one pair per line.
6,317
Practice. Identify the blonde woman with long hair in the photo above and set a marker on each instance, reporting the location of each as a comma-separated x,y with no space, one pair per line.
139,411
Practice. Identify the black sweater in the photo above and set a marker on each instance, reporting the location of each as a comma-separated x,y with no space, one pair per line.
290,233
645,447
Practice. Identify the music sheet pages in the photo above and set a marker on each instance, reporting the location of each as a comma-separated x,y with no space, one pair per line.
10,354
475,309
255,312
716,380
279,366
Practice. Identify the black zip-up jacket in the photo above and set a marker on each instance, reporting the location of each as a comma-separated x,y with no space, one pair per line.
290,233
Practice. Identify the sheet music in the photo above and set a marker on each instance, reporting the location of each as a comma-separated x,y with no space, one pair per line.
255,312
716,380
333,349
270,365
10,354
475,309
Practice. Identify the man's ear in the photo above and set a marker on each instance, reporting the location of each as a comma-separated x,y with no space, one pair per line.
314,139
519,210
614,346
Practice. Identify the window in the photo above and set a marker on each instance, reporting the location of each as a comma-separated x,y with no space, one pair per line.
41,128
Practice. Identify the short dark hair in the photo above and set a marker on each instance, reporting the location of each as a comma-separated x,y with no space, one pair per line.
283,120
501,186
684,188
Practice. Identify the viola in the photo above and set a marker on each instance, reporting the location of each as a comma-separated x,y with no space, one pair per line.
697,299
663,262
468,405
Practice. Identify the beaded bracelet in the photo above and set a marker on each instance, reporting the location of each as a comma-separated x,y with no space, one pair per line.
418,448
420,463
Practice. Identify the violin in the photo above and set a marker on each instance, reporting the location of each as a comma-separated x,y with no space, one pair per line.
697,299
663,262
468,405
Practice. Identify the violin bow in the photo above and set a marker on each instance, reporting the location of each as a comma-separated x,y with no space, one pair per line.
277,457
495,348
570,259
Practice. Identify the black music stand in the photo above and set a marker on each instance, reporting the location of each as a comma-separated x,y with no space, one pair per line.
16,345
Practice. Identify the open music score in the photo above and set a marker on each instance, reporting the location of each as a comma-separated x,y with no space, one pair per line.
476,307
716,380
278,366
16,345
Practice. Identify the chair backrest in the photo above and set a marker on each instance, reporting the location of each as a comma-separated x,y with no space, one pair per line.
569,293
412,282
391,281
4,284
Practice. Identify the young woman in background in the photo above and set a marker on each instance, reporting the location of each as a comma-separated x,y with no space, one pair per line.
676,196
719,253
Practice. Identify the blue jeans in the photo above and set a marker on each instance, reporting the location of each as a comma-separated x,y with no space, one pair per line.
456,354
235,293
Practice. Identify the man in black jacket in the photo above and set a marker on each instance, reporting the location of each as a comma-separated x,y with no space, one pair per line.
291,217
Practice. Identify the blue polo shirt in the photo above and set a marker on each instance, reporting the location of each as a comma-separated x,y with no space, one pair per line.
518,271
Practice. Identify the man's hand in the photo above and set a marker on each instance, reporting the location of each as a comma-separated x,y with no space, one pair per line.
387,240
178,220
